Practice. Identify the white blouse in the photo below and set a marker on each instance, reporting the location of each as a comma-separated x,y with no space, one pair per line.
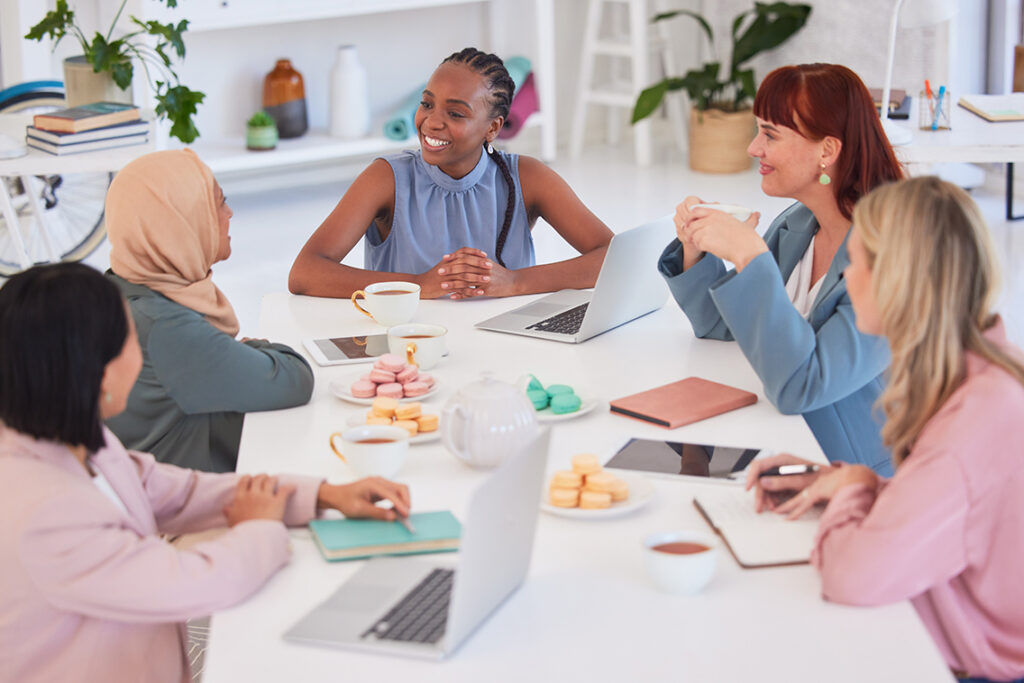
106,489
799,288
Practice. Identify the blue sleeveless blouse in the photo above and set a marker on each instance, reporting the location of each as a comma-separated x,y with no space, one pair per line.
436,214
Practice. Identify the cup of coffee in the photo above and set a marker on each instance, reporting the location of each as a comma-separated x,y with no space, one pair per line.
419,343
680,562
372,450
740,213
389,303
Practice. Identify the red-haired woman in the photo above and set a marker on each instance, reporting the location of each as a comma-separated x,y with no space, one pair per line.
819,142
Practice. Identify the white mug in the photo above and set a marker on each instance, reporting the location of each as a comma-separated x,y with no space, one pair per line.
681,573
740,213
419,343
372,450
389,303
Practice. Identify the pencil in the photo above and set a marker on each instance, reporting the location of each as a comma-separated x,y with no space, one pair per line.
404,521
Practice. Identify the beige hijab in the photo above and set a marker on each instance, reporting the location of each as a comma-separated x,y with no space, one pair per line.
164,232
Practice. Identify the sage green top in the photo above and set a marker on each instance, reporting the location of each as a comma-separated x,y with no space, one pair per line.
197,382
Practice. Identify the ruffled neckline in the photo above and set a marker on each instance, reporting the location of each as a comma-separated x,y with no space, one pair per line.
446,182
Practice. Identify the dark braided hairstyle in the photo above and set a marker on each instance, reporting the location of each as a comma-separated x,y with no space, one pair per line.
501,88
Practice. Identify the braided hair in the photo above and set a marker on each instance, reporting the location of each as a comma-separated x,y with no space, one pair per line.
501,87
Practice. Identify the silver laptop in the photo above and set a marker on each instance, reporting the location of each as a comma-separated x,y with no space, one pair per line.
410,606
628,287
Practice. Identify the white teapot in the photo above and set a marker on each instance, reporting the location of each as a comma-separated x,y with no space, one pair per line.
486,421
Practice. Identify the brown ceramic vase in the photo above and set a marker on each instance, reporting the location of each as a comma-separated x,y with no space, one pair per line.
284,98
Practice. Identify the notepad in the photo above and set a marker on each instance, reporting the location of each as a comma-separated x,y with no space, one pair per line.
680,403
995,107
756,540
354,539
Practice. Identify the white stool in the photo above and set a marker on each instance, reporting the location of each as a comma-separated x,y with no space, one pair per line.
621,91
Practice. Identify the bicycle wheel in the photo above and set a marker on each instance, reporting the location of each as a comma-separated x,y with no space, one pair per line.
71,225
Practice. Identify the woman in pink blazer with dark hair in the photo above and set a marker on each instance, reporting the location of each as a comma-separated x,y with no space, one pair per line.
89,590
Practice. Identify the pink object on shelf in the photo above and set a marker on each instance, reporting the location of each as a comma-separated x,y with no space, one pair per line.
364,388
523,104
415,389
391,390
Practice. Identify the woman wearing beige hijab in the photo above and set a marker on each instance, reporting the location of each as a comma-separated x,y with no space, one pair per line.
168,220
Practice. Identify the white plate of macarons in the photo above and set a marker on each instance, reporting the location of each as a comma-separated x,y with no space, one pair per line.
421,437
641,492
342,388
586,405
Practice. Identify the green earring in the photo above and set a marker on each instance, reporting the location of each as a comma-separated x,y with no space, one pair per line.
107,396
824,178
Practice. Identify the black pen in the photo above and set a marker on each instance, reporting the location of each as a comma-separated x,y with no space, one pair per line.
788,470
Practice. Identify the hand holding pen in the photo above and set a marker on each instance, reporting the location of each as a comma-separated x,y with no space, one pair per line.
779,474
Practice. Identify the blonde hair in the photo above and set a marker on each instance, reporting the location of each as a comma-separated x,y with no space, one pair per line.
935,281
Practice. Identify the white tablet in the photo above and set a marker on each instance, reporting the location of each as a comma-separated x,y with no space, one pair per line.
344,350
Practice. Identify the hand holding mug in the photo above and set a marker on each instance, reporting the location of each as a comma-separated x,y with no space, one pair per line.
720,232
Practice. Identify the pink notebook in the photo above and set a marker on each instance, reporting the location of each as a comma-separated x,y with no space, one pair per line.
680,403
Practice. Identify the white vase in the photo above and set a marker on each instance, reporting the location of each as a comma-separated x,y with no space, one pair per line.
349,96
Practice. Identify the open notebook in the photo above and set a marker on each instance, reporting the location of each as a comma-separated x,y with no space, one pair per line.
756,540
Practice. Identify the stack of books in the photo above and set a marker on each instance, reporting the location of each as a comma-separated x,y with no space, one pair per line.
90,127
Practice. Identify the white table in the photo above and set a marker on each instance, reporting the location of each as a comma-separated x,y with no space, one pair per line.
587,609
971,140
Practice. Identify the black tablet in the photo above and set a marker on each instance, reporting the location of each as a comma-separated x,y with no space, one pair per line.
673,457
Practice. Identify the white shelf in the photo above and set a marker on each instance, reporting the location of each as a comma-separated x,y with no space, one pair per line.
229,155
215,15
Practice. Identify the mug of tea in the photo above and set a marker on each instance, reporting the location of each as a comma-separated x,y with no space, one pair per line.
389,303
419,343
681,562
372,450
740,213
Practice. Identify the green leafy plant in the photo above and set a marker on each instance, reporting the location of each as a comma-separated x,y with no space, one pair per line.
175,101
261,119
764,27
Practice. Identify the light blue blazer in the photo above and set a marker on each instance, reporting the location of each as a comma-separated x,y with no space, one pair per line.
823,368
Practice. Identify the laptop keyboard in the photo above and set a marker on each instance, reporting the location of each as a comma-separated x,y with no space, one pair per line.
421,615
566,322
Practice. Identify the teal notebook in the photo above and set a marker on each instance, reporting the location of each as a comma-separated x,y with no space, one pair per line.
356,539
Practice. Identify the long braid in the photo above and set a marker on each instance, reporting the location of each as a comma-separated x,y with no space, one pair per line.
501,87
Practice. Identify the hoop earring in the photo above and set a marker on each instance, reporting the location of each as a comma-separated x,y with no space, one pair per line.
824,178
490,147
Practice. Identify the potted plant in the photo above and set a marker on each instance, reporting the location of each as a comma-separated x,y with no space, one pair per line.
721,118
261,132
149,45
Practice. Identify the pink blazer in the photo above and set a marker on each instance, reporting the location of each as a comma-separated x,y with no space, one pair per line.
947,531
88,593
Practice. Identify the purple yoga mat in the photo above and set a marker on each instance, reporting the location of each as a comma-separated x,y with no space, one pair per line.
523,104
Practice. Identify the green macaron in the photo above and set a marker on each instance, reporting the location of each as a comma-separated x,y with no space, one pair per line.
565,403
538,397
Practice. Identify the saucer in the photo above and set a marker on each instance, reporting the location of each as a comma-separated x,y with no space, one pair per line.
340,388
641,492
424,437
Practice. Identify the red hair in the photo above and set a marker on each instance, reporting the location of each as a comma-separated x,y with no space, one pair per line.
819,100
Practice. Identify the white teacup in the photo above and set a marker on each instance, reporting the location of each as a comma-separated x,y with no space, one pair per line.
372,450
389,303
740,213
419,343
676,562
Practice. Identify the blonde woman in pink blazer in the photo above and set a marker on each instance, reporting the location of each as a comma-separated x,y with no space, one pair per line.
89,590
947,530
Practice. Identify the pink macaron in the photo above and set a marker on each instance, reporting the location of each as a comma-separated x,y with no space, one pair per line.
426,379
390,362
381,376
415,389
410,373
363,389
391,390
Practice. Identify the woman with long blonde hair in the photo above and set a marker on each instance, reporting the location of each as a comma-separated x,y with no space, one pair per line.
945,532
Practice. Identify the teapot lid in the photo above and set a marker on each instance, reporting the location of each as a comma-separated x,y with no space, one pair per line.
488,387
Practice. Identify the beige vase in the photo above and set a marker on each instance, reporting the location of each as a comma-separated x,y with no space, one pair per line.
83,86
719,140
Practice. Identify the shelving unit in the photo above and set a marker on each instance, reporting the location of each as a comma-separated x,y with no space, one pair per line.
226,154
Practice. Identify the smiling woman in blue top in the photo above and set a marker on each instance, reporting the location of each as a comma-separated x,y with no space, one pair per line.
819,141
455,216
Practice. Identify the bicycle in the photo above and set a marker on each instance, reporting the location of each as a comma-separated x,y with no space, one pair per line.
72,204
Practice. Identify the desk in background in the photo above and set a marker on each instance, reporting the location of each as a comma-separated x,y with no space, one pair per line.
587,610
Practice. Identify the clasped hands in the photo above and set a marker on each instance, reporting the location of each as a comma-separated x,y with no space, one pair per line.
809,489
706,230
262,497
466,273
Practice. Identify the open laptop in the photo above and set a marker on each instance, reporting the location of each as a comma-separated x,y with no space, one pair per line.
628,287
411,606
